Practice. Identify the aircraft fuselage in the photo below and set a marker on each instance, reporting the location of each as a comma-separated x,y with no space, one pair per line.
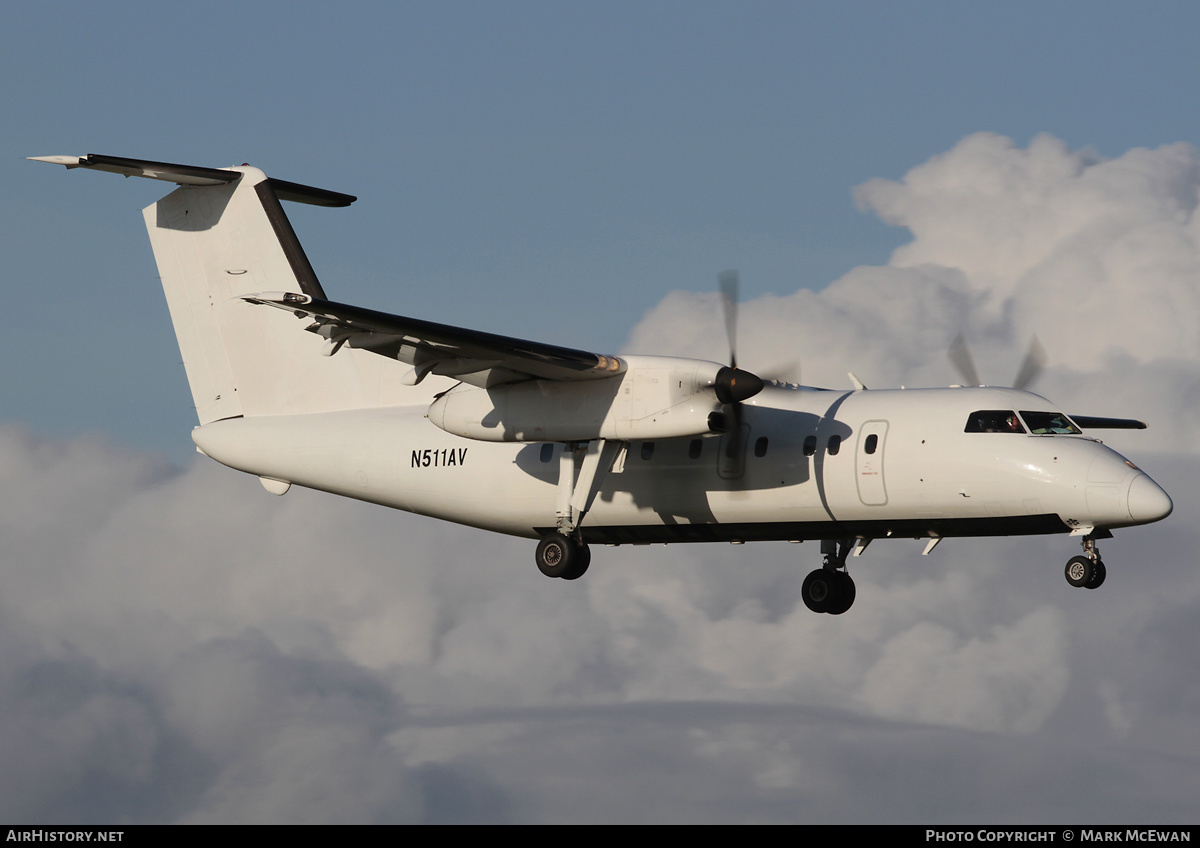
813,464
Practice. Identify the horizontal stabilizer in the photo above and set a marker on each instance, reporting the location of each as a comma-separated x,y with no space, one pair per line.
181,174
194,175
298,193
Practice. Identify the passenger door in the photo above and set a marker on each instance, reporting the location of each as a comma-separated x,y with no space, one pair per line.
871,438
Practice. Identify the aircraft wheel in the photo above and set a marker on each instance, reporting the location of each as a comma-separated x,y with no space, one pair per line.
844,599
556,555
583,558
819,589
1080,571
1099,572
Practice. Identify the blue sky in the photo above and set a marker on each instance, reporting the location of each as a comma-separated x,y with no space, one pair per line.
579,174
546,170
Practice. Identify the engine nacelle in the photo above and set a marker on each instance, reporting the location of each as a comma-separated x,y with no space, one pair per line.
657,397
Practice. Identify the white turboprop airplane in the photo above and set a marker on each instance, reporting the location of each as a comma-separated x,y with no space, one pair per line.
577,448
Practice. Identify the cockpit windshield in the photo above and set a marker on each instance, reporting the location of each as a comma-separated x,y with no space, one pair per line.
994,421
1049,423
1006,421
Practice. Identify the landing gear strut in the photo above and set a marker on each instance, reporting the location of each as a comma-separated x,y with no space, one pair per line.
829,589
581,469
1087,571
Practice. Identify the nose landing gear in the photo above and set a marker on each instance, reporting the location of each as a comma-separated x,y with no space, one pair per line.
1087,571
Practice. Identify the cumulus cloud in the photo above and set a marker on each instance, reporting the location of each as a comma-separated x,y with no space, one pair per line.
1098,258
177,645
1097,254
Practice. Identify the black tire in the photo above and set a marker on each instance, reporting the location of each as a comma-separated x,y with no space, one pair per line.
819,590
845,594
1079,571
583,558
1099,572
556,555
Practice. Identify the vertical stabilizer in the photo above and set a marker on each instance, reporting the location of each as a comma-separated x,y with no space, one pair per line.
221,235
215,243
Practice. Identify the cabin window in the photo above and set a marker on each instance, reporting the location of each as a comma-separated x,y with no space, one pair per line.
835,445
993,421
695,446
760,446
871,443
647,450
810,445
1049,423
547,452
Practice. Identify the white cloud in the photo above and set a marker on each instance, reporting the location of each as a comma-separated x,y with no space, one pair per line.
196,652
1100,258
1010,680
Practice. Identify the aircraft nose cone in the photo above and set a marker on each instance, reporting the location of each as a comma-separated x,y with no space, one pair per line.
1148,502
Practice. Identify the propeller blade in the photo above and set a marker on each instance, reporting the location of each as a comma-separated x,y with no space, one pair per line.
960,357
733,385
728,281
785,372
1031,367
733,439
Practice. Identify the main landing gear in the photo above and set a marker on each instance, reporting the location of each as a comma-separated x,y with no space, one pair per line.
581,468
1087,571
562,556
830,589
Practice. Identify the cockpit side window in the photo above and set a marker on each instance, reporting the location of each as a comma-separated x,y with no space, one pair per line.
993,421
1049,423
